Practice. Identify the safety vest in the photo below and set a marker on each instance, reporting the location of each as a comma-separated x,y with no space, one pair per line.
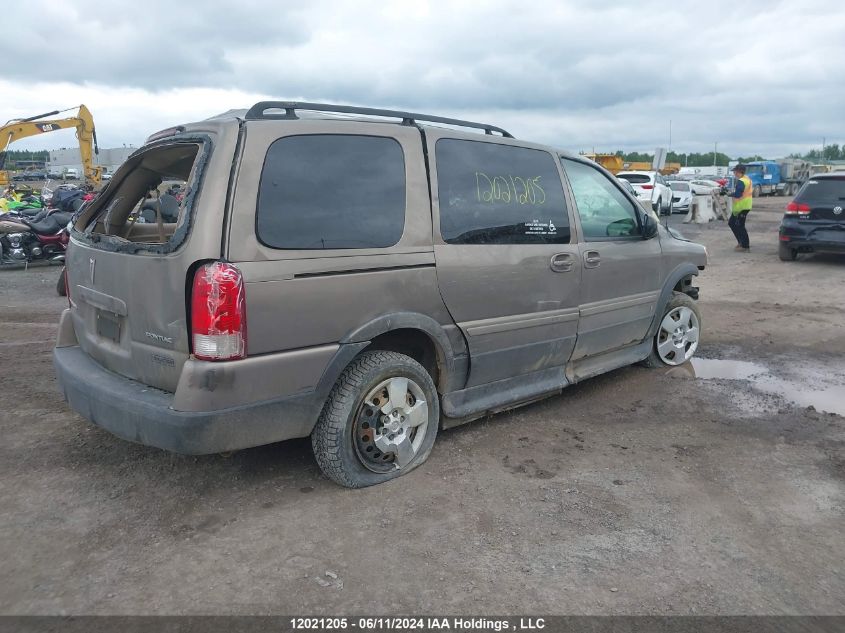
743,203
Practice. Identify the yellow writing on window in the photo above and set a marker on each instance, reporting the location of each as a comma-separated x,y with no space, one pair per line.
509,189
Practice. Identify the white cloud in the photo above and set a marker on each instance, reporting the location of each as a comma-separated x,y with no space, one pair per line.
762,78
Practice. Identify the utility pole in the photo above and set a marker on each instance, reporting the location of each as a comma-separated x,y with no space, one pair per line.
670,136
715,149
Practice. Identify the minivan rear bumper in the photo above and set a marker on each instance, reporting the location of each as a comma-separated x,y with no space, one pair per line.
142,414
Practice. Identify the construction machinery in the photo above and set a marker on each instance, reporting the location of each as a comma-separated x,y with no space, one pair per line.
86,134
611,162
615,163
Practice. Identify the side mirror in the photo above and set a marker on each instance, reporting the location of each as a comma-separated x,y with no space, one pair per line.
649,225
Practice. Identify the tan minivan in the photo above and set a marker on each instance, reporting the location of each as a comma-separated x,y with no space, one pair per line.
362,276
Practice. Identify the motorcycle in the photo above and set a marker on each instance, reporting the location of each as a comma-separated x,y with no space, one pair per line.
42,237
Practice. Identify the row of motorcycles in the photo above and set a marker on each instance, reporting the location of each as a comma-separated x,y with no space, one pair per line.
33,226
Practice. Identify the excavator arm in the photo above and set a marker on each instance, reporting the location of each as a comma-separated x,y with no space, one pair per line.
85,133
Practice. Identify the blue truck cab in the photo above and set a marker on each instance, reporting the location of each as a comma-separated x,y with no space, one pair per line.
765,174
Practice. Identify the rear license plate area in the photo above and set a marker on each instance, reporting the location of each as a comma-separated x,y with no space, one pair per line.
828,236
108,325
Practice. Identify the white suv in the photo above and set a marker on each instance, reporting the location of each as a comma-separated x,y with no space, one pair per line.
650,187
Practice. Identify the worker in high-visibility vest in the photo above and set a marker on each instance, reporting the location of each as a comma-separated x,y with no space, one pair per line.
742,201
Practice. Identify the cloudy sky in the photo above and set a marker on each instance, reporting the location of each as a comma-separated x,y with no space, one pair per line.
756,77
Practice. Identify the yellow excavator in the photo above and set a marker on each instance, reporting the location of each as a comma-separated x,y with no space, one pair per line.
614,164
85,133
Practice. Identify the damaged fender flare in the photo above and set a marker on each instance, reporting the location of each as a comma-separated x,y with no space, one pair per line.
672,279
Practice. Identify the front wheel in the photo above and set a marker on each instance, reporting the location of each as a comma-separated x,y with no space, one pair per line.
755,192
678,333
379,422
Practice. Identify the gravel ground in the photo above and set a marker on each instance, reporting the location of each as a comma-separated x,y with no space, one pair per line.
638,492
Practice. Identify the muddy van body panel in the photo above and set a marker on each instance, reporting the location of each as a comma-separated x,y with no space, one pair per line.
299,298
128,304
515,302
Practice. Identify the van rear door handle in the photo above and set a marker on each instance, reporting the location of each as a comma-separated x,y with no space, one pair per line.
592,259
561,263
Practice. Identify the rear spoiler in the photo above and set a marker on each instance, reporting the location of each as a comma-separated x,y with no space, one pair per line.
171,131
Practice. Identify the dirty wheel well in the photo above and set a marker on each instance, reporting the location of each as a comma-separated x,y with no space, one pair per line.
685,286
413,343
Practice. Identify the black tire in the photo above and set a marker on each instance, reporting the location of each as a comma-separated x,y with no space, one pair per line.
678,300
756,191
333,438
60,284
786,253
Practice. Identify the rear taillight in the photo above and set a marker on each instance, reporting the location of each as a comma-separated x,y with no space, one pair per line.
797,208
218,313
647,186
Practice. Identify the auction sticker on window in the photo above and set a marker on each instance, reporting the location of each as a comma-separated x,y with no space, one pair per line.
540,227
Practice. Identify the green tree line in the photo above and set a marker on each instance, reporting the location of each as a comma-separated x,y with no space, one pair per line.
15,155
834,151
829,152
693,159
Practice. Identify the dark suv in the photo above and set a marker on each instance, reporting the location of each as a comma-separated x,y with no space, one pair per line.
815,220
364,280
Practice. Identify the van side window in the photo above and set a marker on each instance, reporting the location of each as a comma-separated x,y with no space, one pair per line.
332,191
499,194
604,210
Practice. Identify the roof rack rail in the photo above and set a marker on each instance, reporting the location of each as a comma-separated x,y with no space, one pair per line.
258,111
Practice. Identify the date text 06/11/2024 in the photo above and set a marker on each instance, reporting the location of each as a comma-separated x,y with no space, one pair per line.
417,623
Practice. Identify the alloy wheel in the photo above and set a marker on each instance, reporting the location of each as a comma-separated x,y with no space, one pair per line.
677,338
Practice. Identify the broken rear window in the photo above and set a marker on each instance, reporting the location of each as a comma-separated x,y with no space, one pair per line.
147,204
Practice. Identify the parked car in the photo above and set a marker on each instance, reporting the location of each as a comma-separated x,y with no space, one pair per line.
651,187
681,195
105,176
71,173
360,281
627,186
815,220
30,175
704,187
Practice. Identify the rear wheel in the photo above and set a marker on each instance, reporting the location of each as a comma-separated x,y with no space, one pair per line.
678,333
379,422
787,253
